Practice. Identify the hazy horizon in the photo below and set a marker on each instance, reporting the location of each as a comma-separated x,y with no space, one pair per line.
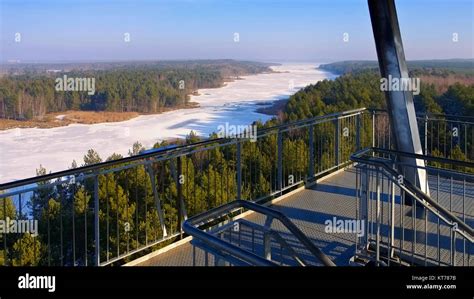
267,30
276,61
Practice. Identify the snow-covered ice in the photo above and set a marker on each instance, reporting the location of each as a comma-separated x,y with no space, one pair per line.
23,150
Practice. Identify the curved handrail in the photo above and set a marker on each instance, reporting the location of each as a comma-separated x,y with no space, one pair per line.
359,157
422,157
449,117
190,226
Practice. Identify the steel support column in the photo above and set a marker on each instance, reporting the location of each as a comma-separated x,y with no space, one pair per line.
400,105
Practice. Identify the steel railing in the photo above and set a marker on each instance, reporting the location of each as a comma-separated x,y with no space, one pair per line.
213,239
406,225
113,211
447,136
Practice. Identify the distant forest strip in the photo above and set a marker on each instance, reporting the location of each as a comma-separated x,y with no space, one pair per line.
442,67
28,91
447,87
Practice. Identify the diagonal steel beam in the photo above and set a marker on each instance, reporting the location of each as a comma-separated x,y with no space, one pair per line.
161,215
401,109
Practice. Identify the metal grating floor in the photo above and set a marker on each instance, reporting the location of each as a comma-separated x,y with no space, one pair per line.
308,209
333,196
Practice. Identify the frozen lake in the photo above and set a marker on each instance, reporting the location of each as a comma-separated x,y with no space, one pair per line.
23,150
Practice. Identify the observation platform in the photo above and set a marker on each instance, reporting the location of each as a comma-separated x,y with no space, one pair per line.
335,196
360,182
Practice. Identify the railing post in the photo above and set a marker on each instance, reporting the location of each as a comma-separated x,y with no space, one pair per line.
358,131
267,238
311,152
392,219
280,161
180,195
364,204
453,244
426,134
219,261
267,245
336,141
377,211
373,128
96,221
239,170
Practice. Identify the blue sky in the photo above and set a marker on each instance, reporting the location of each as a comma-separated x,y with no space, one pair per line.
278,30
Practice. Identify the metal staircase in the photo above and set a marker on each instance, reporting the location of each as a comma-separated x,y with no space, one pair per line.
253,243
406,225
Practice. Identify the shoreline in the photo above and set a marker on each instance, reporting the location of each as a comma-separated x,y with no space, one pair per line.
69,117
273,108
23,150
